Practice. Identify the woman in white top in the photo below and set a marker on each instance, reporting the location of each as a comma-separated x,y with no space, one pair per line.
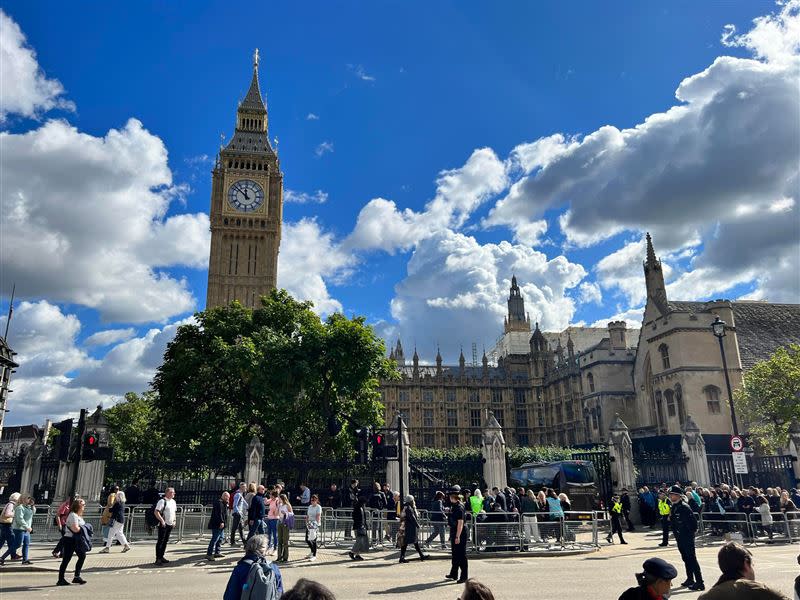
71,531
313,523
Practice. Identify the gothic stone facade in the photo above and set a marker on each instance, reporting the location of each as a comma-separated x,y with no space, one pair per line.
246,208
565,396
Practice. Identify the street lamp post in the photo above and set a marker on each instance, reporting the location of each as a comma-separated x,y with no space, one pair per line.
718,327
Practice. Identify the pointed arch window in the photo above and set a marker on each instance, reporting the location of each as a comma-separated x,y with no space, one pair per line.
590,380
663,349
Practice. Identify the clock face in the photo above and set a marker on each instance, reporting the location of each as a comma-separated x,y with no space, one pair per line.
245,195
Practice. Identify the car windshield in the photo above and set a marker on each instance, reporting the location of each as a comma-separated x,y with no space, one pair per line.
578,472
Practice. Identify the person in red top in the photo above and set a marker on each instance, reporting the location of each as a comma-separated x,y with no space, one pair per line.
61,523
654,582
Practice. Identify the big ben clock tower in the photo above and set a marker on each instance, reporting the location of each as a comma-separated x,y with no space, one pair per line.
246,209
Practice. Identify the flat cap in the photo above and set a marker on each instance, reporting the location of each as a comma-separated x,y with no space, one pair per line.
658,567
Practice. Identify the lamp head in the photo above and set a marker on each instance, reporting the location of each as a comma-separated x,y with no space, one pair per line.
718,327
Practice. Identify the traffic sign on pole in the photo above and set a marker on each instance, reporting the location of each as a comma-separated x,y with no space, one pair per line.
737,443
739,463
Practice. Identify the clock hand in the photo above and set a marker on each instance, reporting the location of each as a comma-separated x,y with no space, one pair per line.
246,195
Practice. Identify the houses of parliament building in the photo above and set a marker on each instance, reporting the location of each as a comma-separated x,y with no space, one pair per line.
566,388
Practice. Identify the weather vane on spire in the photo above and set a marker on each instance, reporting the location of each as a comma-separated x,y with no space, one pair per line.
255,58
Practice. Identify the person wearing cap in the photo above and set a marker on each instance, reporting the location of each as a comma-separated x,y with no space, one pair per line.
459,534
409,527
684,526
654,581
738,579
616,520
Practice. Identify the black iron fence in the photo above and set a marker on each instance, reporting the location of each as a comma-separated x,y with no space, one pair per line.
319,475
762,471
656,467
194,483
426,477
602,466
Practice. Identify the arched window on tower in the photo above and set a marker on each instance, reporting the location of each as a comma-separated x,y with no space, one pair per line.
669,396
664,350
712,399
590,380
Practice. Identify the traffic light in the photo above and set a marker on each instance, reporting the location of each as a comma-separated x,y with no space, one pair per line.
362,445
378,446
90,445
63,439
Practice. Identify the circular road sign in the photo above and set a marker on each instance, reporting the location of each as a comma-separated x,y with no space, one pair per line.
737,444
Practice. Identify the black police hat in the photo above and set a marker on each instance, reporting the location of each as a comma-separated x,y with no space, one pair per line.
658,567
676,489
454,490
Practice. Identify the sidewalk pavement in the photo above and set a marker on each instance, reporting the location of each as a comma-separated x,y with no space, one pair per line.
193,554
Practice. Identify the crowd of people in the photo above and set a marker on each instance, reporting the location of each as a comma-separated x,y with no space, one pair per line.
261,520
723,507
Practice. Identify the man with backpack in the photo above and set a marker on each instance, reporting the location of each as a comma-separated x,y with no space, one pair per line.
255,577
166,512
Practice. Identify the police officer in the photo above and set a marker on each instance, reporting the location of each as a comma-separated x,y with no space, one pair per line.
663,508
616,520
684,526
459,534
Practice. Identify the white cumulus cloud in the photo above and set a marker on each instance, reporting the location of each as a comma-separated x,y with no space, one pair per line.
24,88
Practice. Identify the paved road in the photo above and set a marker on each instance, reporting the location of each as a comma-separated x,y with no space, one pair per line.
600,575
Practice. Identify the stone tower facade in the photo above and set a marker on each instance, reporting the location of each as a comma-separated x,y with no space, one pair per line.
246,208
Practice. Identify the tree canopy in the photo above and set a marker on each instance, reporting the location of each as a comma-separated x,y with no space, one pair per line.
134,430
769,398
277,372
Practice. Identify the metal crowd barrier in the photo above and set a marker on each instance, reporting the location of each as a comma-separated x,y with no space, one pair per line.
785,527
487,533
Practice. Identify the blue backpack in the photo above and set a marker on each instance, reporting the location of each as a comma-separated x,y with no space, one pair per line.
261,582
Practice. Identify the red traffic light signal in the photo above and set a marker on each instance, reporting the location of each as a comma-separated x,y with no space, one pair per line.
91,443
378,439
91,440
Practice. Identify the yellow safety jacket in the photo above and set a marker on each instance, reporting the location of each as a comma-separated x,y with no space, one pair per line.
663,508
617,508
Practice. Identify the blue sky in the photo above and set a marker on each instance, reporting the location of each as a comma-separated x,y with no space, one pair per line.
405,102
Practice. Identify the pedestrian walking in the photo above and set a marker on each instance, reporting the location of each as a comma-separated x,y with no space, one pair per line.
360,529
349,502
117,524
166,512
6,532
21,524
684,526
409,529
305,495
285,526
625,499
377,502
105,518
654,582
239,513
459,535
267,583
74,528
737,581
60,523
216,524
616,520
273,515
438,520
256,511
313,526
663,515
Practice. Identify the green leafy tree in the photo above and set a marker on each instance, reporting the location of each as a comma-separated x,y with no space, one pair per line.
278,372
134,431
770,397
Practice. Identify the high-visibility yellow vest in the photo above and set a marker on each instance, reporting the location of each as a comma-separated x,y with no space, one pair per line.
663,507
617,508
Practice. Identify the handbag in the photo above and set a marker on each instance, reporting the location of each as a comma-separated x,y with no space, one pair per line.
401,537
